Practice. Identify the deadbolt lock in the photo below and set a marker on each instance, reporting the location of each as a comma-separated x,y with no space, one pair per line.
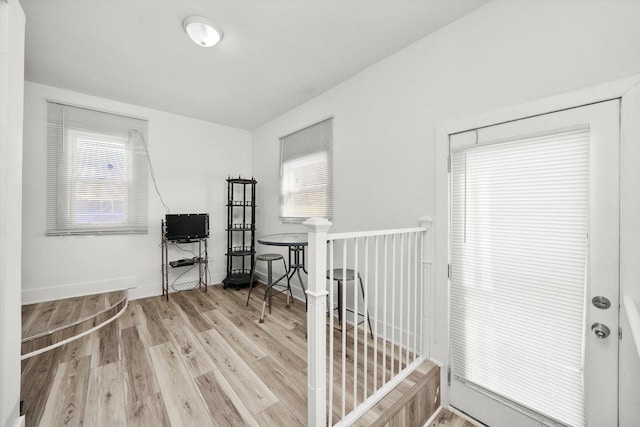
601,302
601,331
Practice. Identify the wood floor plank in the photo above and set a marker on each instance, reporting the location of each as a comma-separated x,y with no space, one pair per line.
78,348
256,395
27,312
39,320
66,403
139,377
60,316
152,324
222,402
130,316
199,300
165,308
37,377
189,348
287,385
182,400
148,412
221,299
280,415
91,305
262,338
106,345
191,313
241,343
288,338
105,399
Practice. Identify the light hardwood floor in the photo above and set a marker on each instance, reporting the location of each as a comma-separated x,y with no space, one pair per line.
200,359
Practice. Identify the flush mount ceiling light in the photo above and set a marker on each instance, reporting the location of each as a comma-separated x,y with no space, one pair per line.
202,31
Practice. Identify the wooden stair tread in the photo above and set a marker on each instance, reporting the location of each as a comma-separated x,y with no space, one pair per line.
411,403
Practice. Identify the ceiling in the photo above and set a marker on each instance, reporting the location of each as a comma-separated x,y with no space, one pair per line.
275,55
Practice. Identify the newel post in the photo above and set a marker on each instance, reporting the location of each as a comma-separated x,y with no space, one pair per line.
316,322
428,296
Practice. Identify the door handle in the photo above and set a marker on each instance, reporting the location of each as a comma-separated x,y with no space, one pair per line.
601,331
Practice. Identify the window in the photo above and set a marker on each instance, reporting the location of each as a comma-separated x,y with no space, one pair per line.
306,173
97,172
519,221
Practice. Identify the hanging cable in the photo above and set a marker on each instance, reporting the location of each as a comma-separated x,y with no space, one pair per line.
153,175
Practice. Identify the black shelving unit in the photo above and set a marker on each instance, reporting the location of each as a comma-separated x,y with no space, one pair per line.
201,258
241,231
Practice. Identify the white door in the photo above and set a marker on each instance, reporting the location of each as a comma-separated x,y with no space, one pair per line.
534,269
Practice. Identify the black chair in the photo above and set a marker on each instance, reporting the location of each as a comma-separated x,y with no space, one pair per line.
268,292
339,277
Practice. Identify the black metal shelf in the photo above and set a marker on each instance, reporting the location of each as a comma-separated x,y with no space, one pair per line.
238,279
241,231
201,259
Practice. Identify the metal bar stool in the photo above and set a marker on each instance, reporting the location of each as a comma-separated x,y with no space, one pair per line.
268,292
350,276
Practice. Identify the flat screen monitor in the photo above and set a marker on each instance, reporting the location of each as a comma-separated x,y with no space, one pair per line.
187,226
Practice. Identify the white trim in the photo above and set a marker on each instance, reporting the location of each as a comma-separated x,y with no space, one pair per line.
139,292
32,296
629,397
585,96
356,234
98,110
433,416
311,123
464,416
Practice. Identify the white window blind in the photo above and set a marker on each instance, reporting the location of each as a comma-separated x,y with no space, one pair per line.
96,172
306,173
519,224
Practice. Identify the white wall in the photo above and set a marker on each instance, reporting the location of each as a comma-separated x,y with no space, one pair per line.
191,160
12,22
503,54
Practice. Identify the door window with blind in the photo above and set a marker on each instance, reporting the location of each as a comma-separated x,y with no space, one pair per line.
306,173
519,221
97,172
533,241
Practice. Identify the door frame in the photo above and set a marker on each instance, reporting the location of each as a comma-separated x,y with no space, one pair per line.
628,91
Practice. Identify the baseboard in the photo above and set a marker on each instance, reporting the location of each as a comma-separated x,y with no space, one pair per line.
32,296
138,292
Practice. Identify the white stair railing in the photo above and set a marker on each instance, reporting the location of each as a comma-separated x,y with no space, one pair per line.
374,324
